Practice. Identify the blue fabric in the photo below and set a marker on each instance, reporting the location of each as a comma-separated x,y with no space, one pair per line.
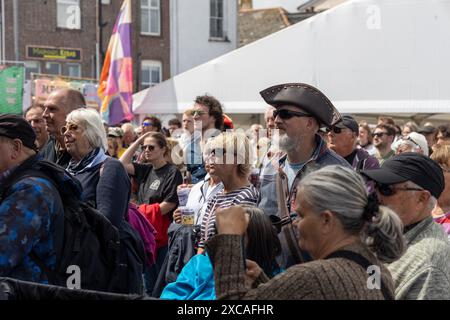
195,282
26,215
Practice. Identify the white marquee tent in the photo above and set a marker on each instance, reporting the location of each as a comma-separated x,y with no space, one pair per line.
367,56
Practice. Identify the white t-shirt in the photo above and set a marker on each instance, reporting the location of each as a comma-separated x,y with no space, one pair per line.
200,193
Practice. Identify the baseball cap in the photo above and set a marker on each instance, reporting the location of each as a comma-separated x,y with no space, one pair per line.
414,138
348,122
410,166
16,127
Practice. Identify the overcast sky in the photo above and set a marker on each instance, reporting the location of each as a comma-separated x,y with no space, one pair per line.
289,5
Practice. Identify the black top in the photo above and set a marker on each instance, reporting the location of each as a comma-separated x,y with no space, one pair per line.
51,153
351,157
156,186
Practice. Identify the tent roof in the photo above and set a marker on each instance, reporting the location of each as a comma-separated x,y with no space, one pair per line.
367,56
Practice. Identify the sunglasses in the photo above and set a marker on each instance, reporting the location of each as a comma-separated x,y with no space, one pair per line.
147,124
148,147
389,190
334,129
287,114
195,113
378,134
445,169
70,127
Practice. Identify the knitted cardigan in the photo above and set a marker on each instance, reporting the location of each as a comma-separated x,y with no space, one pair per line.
331,279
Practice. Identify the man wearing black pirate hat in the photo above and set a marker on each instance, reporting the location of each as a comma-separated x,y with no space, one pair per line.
300,111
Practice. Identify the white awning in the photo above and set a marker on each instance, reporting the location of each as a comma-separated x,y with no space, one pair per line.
367,56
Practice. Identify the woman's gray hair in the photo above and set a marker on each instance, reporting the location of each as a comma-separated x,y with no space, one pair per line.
342,191
92,123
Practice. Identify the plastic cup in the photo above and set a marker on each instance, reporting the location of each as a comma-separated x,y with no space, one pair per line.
187,216
183,194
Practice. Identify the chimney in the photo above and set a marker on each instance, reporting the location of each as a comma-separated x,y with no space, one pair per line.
245,5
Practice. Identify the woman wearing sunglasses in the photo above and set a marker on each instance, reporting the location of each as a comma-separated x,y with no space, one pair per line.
349,238
157,182
106,186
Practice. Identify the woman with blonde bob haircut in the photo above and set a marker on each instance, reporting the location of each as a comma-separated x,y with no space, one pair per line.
348,235
228,157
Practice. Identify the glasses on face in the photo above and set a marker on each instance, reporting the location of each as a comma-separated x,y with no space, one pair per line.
287,114
378,134
148,147
409,139
389,190
70,127
147,124
334,129
196,113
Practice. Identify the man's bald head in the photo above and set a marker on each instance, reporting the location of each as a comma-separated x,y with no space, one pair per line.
58,105
69,99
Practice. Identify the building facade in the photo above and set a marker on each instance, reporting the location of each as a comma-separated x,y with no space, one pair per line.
61,37
201,32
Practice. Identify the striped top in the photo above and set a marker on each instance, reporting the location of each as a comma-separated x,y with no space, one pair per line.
247,196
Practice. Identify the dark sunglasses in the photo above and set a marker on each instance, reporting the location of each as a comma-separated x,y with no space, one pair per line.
389,190
194,113
378,134
70,127
334,129
148,147
287,114
278,222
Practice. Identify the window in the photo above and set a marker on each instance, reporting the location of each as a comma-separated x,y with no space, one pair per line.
53,68
150,73
74,70
216,30
106,1
150,17
68,14
32,67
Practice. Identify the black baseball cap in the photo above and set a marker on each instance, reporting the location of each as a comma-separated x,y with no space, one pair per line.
16,127
348,122
410,166
427,130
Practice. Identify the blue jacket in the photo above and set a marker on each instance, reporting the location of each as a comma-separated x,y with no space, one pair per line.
195,282
28,210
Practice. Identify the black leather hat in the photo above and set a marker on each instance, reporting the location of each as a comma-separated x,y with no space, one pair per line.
306,97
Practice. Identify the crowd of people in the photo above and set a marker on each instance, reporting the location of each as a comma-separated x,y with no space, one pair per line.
311,205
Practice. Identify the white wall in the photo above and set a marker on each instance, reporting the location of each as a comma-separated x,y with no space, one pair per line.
189,24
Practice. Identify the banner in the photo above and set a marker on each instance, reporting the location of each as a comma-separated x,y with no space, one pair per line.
11,89
44,86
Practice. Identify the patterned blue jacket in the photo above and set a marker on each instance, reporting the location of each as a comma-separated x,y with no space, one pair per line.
27,212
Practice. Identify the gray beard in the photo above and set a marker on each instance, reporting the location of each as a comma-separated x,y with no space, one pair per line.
286,144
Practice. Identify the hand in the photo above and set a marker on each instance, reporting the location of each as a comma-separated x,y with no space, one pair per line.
177,216
232,220
185,185
145,135
252,273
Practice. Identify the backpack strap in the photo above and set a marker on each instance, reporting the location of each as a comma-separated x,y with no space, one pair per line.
363,262
283,212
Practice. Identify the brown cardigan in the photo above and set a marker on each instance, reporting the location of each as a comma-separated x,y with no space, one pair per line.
335,278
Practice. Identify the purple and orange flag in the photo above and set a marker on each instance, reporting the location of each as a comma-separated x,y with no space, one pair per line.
116,80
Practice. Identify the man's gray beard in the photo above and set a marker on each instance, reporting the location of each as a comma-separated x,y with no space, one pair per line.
286,144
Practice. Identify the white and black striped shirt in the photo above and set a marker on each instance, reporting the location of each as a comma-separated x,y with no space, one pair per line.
247,196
